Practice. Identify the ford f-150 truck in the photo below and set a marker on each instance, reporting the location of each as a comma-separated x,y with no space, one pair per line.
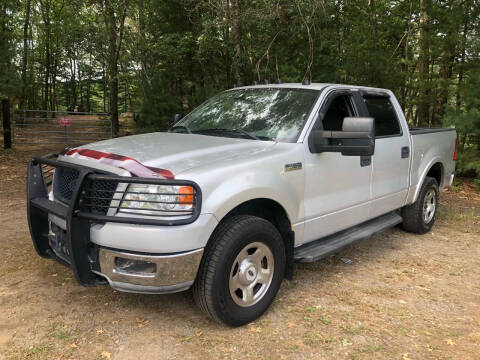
249,182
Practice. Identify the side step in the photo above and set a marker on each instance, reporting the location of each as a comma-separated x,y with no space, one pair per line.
321,248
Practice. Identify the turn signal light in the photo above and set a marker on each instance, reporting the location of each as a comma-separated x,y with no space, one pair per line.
185,195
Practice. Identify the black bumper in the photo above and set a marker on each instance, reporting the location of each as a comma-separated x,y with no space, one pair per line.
79,217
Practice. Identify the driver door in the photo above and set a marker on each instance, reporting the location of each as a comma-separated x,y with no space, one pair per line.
337,187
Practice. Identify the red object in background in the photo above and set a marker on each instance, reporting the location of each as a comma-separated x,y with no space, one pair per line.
455,152
64,121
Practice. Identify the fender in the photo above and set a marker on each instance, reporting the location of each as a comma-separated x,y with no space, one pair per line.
254,185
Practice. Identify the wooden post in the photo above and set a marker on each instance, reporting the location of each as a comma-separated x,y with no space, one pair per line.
7,132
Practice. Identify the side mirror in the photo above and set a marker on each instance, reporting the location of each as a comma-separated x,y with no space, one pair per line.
357,138
177,118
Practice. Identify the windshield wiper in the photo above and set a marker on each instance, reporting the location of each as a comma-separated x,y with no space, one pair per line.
221,130
182,127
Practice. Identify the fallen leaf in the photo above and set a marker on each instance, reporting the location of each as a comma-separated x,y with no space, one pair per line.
141,322
106,355
475,337
402,301
100,331
405,356
291,324
345,342
73,345
449,342
255,329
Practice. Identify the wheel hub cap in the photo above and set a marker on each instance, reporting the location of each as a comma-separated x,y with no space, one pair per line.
247,272
251,274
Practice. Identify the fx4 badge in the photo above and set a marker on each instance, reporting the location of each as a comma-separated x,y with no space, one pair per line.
293,166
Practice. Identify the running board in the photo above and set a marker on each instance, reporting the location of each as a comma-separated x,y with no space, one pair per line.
328,245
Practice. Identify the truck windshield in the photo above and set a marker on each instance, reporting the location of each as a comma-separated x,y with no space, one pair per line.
253,113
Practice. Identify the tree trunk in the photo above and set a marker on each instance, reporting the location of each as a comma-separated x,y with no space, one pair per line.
25,53
423,65
89,81
104,88
373,67
53,87
237,37
143,47
445,74
7,132
115,34
46,20
113,75
466,20
227,56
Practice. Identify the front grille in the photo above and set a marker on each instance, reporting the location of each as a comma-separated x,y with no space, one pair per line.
64,183
100,195
100,192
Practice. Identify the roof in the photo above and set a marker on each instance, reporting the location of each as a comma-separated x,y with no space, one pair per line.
313,86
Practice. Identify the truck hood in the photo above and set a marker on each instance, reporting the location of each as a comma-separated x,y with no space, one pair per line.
179,152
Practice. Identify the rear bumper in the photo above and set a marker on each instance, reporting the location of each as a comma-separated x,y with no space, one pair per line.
449,179
171,273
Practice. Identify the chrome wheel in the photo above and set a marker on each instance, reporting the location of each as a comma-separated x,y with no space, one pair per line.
251,274
429,206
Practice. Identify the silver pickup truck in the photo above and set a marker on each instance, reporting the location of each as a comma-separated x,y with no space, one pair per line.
249,182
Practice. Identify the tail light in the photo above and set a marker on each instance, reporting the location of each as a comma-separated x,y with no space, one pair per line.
455,152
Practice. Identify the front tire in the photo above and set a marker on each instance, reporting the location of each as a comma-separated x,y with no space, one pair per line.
420,216
241,270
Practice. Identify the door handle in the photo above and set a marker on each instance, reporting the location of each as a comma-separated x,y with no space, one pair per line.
405,152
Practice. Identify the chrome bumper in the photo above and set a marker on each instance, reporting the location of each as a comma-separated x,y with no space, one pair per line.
173,273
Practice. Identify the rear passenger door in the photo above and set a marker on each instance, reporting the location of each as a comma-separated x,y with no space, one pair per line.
391,161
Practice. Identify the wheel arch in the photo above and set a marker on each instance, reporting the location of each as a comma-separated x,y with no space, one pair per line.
435,169
272,211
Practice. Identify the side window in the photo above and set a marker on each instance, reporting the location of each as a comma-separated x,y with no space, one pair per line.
381,109
340,107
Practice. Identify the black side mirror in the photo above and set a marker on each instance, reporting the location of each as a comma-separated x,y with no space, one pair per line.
177,118
357,138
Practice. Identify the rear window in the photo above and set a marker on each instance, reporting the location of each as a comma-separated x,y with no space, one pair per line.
381,109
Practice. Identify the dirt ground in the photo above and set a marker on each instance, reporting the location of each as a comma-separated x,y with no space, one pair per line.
403,296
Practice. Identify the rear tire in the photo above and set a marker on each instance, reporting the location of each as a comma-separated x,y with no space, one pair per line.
420,216
241,270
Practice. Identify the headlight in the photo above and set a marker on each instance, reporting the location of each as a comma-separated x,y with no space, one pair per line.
158,199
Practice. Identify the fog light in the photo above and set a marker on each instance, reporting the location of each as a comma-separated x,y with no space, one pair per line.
135,267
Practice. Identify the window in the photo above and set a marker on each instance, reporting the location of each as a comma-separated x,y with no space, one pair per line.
339,109
381,109
263,113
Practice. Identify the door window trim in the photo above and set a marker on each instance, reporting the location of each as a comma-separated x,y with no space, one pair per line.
378,93
327,101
